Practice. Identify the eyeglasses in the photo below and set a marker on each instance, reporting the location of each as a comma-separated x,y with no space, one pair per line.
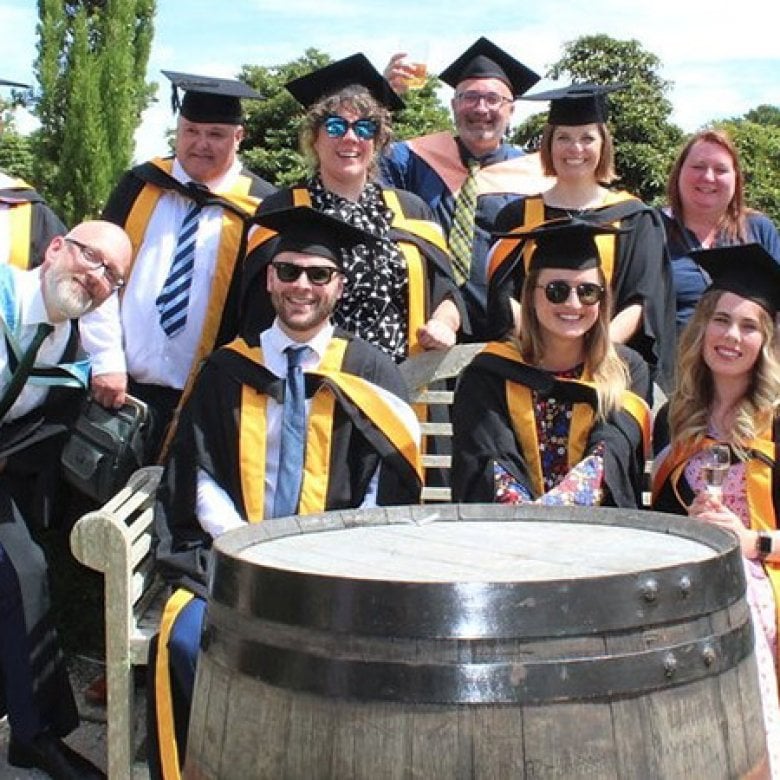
316,274
337,127
559,291
471,99
91,260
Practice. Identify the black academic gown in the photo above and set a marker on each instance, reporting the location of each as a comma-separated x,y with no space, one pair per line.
37,682
413,229
494,434
635,263
208,435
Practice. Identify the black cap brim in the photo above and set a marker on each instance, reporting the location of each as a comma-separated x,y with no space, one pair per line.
485,60
6,83
355,69
208,99
747,270
564,243
304,229
577,104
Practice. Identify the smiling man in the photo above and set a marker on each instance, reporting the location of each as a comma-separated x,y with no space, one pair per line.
306,419
78,273
477,163
186,216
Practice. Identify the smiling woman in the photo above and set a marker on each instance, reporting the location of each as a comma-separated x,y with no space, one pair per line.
398,290
558,423
727,395
577,150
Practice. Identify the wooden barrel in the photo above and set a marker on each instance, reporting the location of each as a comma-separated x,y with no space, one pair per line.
477,641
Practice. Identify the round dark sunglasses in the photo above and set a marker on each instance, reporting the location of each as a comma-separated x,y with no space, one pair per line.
316,274
559,291
337,127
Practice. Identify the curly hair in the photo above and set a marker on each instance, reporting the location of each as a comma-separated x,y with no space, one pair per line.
357,98
733,224
691,403
605,171
609,372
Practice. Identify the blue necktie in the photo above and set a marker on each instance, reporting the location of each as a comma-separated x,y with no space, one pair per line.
293,440
174,299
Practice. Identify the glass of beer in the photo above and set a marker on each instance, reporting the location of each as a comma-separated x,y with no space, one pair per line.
717,460
417,59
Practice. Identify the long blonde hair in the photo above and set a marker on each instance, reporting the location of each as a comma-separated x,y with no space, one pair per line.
691,403
609,372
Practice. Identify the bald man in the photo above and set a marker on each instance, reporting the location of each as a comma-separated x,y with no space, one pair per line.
79,271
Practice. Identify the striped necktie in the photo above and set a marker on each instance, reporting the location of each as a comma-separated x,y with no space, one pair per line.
293,439
174,298
462,231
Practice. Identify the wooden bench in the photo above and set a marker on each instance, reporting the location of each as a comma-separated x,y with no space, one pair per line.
116,540
420,373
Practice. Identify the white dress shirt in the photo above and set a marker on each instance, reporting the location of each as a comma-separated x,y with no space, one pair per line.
149,355
31,312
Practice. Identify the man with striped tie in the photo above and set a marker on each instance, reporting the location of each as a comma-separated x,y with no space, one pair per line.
186,217
467,178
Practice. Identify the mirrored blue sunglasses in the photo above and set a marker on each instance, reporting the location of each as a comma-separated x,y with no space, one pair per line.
337,127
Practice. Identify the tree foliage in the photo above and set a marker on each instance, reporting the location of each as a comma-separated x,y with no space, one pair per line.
758,144
271,147
645,140
16,155
92,57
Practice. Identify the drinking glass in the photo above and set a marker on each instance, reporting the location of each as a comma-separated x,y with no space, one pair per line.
717,460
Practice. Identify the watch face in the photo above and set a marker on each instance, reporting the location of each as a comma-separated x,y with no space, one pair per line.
764,544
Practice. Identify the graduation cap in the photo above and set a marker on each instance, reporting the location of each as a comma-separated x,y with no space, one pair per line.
304,229
747,270
208,99
356,69
485,60
577,104
567,242
6,83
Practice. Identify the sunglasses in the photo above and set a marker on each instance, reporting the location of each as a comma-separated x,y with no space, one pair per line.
558,291
316,274
337,127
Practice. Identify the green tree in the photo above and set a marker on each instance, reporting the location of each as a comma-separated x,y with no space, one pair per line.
16,155
92,57
759,153
645,140
424,112
270,148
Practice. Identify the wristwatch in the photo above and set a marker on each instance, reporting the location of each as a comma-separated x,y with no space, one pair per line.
764,544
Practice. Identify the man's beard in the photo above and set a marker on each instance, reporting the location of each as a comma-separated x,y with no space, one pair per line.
64,295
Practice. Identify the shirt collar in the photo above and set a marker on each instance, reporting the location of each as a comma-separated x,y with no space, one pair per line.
32,309
486,159
224,182
278,339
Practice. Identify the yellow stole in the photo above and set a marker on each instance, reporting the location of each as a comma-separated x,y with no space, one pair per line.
319,433
231,235
520,406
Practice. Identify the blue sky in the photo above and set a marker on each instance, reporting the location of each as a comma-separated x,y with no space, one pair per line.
722,63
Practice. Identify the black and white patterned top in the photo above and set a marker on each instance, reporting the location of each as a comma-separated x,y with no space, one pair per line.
375,304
